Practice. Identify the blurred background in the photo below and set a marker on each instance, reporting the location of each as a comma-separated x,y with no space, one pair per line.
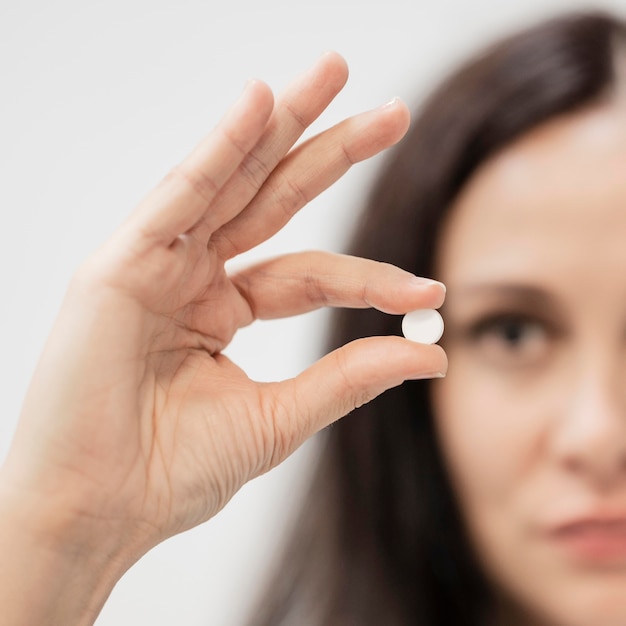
98,101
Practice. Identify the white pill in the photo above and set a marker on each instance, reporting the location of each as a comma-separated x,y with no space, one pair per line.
423,326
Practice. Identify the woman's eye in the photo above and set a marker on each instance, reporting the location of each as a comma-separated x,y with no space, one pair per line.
514,332
512,339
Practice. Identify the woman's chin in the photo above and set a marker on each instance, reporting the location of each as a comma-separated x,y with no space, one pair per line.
596,600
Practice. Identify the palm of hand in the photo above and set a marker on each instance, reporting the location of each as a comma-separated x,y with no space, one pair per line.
204,427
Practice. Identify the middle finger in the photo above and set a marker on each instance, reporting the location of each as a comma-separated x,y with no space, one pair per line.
307,171
301,103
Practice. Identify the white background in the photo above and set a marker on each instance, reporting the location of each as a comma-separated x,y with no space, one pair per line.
98,100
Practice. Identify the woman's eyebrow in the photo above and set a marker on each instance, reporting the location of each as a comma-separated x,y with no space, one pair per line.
530,296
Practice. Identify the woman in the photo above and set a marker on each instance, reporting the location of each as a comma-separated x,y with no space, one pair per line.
137,427
497,495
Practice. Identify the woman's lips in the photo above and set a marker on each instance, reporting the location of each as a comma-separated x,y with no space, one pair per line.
593,539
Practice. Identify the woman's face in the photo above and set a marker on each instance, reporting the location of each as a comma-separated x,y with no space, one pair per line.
532,414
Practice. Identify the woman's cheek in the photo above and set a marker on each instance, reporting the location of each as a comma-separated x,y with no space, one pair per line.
490,425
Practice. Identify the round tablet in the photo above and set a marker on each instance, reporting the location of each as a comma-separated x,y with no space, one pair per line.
423,326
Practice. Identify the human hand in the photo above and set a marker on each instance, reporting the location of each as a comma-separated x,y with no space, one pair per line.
136,425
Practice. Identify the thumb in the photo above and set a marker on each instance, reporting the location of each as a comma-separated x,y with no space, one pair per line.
345,379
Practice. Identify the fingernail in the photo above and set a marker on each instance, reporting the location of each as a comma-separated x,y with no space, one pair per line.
422,282
389,104
429,376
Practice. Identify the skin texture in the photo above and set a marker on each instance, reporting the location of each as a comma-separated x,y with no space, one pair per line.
532,414
136,426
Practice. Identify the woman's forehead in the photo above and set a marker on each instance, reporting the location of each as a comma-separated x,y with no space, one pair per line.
555,197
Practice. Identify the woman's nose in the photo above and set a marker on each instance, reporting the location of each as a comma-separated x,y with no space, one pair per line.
590,439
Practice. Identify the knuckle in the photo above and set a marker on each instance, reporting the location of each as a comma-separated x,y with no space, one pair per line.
357,386
254,169
347,155
296,193
352,391
313,290
289,196
283,426
235,142
197,180
298,118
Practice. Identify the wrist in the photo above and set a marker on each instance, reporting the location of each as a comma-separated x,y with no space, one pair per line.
54,569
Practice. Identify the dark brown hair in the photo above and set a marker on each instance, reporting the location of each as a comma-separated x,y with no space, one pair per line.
380,539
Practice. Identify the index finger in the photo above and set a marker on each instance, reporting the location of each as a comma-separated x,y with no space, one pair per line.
304,281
